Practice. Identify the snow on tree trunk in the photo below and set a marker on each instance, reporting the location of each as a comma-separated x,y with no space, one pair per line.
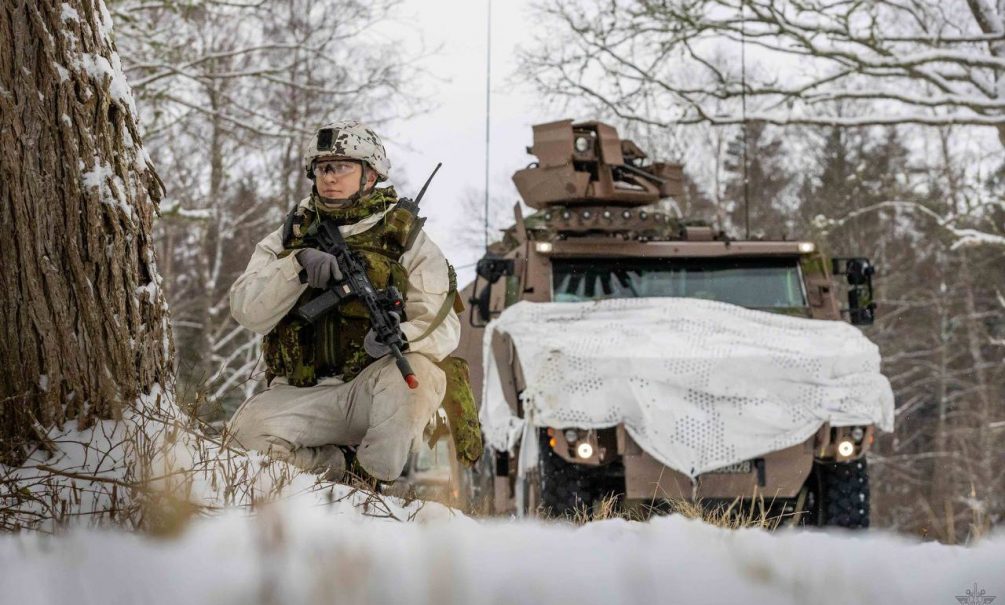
85,328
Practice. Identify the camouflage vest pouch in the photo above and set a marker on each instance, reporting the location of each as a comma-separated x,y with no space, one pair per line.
305,353
461,411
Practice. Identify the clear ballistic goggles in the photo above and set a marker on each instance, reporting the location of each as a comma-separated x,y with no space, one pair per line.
334,167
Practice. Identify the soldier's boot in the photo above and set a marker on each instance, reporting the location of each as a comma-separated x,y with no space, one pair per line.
332,463
326,461
355,472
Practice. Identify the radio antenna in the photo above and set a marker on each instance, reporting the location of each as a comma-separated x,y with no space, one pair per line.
488,115
743,112
422,191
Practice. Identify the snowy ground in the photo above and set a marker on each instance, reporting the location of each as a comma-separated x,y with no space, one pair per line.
304,552
321,543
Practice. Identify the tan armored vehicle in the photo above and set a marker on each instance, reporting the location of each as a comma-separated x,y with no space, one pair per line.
598,219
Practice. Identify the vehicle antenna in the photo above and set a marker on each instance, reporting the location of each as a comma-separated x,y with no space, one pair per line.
743,112
488,114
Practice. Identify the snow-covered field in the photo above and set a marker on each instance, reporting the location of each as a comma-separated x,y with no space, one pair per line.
318,542
301,551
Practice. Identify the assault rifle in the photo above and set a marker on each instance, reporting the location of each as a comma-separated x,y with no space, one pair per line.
385,307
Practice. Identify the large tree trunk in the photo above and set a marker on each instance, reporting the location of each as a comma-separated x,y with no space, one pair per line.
84,321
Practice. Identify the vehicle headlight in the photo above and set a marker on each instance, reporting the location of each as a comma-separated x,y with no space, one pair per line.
582,144
571,435
846,448
807,247
584,450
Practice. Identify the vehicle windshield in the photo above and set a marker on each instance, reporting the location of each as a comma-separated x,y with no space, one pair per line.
756,283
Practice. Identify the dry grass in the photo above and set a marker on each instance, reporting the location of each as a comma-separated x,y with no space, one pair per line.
735,515
732,516
156,470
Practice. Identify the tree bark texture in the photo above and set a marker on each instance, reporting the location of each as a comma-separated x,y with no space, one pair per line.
84,328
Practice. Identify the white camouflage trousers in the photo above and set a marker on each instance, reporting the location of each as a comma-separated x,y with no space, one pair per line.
375,411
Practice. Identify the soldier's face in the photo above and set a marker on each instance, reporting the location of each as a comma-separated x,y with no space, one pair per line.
337,179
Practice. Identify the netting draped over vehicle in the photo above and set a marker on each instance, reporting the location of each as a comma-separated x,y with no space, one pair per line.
698,384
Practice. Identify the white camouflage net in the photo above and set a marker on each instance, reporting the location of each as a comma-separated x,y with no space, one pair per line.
698,384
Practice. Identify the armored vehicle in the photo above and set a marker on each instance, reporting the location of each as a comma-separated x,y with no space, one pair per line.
601,217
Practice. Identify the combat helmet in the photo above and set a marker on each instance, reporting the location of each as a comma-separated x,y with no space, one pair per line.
347,139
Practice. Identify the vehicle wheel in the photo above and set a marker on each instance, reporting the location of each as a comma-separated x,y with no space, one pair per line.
561,483
566,488
840,497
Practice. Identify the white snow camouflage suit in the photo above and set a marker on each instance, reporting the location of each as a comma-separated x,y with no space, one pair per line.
374,410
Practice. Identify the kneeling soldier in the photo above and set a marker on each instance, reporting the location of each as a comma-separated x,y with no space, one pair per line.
333,387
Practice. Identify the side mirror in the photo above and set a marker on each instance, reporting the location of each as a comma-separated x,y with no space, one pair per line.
493,268
490,269
858,272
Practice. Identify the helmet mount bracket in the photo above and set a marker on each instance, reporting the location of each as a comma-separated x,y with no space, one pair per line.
325,138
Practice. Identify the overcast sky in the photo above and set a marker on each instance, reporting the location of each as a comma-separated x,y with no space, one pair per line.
454,132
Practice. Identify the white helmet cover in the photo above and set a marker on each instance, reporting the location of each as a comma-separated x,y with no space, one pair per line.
347,139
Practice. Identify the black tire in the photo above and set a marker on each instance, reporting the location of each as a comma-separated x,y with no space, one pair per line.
566,488
840,496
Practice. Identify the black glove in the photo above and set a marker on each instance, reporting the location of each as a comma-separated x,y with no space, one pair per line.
322,268
376,349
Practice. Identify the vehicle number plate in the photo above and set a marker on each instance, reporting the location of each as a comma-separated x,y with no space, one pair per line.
738,468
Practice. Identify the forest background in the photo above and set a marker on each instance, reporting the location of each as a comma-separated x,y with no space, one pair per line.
898,157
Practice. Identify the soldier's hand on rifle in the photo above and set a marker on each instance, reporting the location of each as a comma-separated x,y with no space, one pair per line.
376,349
322,268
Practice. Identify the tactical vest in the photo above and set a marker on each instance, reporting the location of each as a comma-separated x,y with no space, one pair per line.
305,353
